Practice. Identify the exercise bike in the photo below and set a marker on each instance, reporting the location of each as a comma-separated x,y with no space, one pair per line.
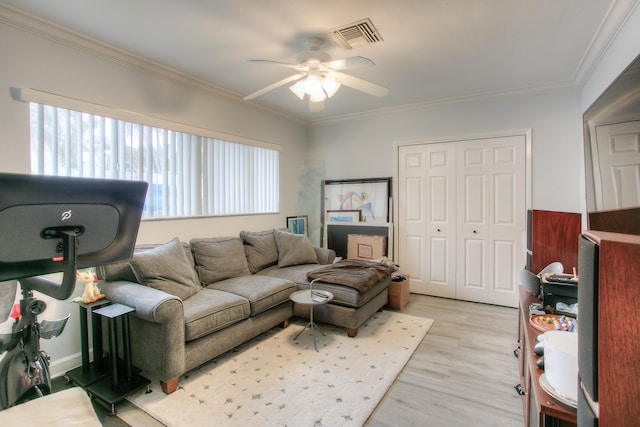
24,369
42,220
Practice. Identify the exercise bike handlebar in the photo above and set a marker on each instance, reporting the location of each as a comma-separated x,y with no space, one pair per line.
64,289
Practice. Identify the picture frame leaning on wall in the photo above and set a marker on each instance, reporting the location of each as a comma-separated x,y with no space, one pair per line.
371,196
298,224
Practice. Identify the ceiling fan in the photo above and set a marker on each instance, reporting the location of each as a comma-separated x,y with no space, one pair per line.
318,77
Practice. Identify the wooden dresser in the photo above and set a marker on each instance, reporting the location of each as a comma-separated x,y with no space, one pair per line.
539,408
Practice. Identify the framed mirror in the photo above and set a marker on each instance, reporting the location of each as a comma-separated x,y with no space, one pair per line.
612,155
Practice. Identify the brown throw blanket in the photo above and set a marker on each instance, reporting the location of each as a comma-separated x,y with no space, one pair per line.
355,273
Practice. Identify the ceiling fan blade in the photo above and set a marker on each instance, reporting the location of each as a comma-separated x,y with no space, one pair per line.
351,62
273,86
314,107
281,64
362,85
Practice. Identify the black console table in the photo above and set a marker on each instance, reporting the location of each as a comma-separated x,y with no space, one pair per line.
118,383
90,372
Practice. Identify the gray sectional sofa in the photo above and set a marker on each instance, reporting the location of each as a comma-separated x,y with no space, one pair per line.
197,300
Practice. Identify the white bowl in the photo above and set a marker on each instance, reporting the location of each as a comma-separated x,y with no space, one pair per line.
561,362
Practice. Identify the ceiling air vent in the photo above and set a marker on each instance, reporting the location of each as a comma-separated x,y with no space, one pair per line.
356,34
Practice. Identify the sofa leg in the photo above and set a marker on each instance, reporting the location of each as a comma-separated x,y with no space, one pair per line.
170,386
285,323
352,332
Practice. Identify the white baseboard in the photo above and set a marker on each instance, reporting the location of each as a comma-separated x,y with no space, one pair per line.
60,366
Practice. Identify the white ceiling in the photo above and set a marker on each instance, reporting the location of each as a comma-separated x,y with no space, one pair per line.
432,50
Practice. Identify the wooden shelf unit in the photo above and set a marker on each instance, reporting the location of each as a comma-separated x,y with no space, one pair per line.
539,408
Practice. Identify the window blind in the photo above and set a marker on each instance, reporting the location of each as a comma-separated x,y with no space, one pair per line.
188,175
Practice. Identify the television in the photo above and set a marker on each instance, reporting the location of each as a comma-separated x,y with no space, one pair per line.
51,224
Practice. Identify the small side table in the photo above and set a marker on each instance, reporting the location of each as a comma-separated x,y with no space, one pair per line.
116,387
312,298
90,372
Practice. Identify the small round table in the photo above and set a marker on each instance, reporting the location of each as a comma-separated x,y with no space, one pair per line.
312,298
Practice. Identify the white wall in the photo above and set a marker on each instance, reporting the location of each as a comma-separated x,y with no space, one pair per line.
34,61
364,147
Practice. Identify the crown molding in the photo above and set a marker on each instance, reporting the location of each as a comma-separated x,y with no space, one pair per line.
507,93
614,20
80,42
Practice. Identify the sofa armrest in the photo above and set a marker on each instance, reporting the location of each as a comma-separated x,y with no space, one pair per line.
150,304
156,328
325,256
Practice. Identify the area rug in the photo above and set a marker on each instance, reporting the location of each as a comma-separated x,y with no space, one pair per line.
274,380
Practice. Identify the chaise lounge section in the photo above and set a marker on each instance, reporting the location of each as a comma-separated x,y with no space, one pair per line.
349,307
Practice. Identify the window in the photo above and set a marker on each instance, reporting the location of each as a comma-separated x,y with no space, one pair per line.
188,175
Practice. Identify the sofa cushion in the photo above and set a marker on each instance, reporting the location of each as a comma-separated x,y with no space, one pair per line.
166,267
296,273
211,310
260,249
123,271
219,258
262,292
185,246
294,249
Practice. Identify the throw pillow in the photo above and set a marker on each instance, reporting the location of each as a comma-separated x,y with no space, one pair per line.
116,271
294,249
260,249
219,258
123,271
166,267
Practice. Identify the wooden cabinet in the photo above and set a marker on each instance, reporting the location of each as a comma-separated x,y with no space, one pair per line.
618,330
539,408
554,237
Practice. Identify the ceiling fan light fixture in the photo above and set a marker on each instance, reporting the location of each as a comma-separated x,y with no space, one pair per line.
319,77
330,85
319,97
298,88
313,86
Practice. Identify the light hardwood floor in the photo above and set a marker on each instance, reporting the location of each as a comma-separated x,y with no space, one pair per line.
462,374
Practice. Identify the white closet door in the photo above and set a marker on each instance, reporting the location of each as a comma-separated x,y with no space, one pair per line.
441,219
461,215
412,216
491,218
427,220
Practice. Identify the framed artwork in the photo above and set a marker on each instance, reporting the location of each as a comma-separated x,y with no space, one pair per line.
297,224
343,216
371,196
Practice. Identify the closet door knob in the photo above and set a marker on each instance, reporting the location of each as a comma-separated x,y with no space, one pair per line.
474,231
438,230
